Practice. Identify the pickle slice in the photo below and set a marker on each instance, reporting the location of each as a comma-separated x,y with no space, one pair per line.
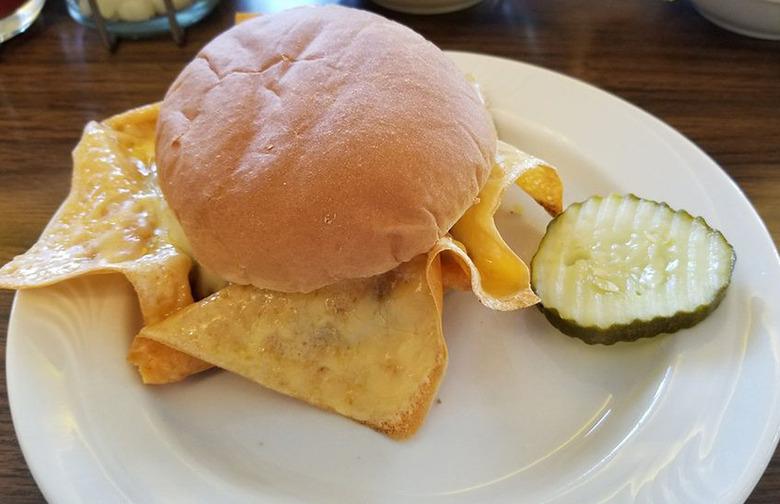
620,268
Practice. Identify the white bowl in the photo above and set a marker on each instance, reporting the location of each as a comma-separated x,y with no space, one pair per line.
755,18
426,6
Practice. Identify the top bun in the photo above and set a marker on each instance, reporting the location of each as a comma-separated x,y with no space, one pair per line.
319,144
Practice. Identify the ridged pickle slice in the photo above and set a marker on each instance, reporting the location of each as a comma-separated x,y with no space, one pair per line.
620,268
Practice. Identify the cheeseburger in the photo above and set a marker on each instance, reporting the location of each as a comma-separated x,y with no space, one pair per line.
324,175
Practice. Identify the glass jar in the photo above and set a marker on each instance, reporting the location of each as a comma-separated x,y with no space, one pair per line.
138,18
17,15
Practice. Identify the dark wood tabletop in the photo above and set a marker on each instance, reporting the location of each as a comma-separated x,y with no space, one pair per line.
720,89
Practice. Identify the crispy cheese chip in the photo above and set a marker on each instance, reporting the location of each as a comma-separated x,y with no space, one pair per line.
113,220
477,256
370,349
543,184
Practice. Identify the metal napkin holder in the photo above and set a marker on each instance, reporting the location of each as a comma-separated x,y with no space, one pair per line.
109,39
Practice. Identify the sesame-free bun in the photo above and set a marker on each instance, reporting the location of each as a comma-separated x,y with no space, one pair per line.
319,144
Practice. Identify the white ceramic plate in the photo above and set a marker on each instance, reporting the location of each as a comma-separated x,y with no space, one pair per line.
525,413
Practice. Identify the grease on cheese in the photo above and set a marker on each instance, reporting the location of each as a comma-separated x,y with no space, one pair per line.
115,220
112,220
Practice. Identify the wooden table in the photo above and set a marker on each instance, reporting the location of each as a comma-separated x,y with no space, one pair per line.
719,89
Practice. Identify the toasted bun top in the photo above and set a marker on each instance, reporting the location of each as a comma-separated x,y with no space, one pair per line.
319,144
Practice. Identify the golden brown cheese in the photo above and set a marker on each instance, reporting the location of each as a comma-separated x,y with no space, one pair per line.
371,349
496,275
114,220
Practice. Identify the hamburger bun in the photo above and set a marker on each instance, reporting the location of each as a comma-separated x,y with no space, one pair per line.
319,144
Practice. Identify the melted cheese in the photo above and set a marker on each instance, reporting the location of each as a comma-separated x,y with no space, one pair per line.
498,277
115,220
371,349
112,220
